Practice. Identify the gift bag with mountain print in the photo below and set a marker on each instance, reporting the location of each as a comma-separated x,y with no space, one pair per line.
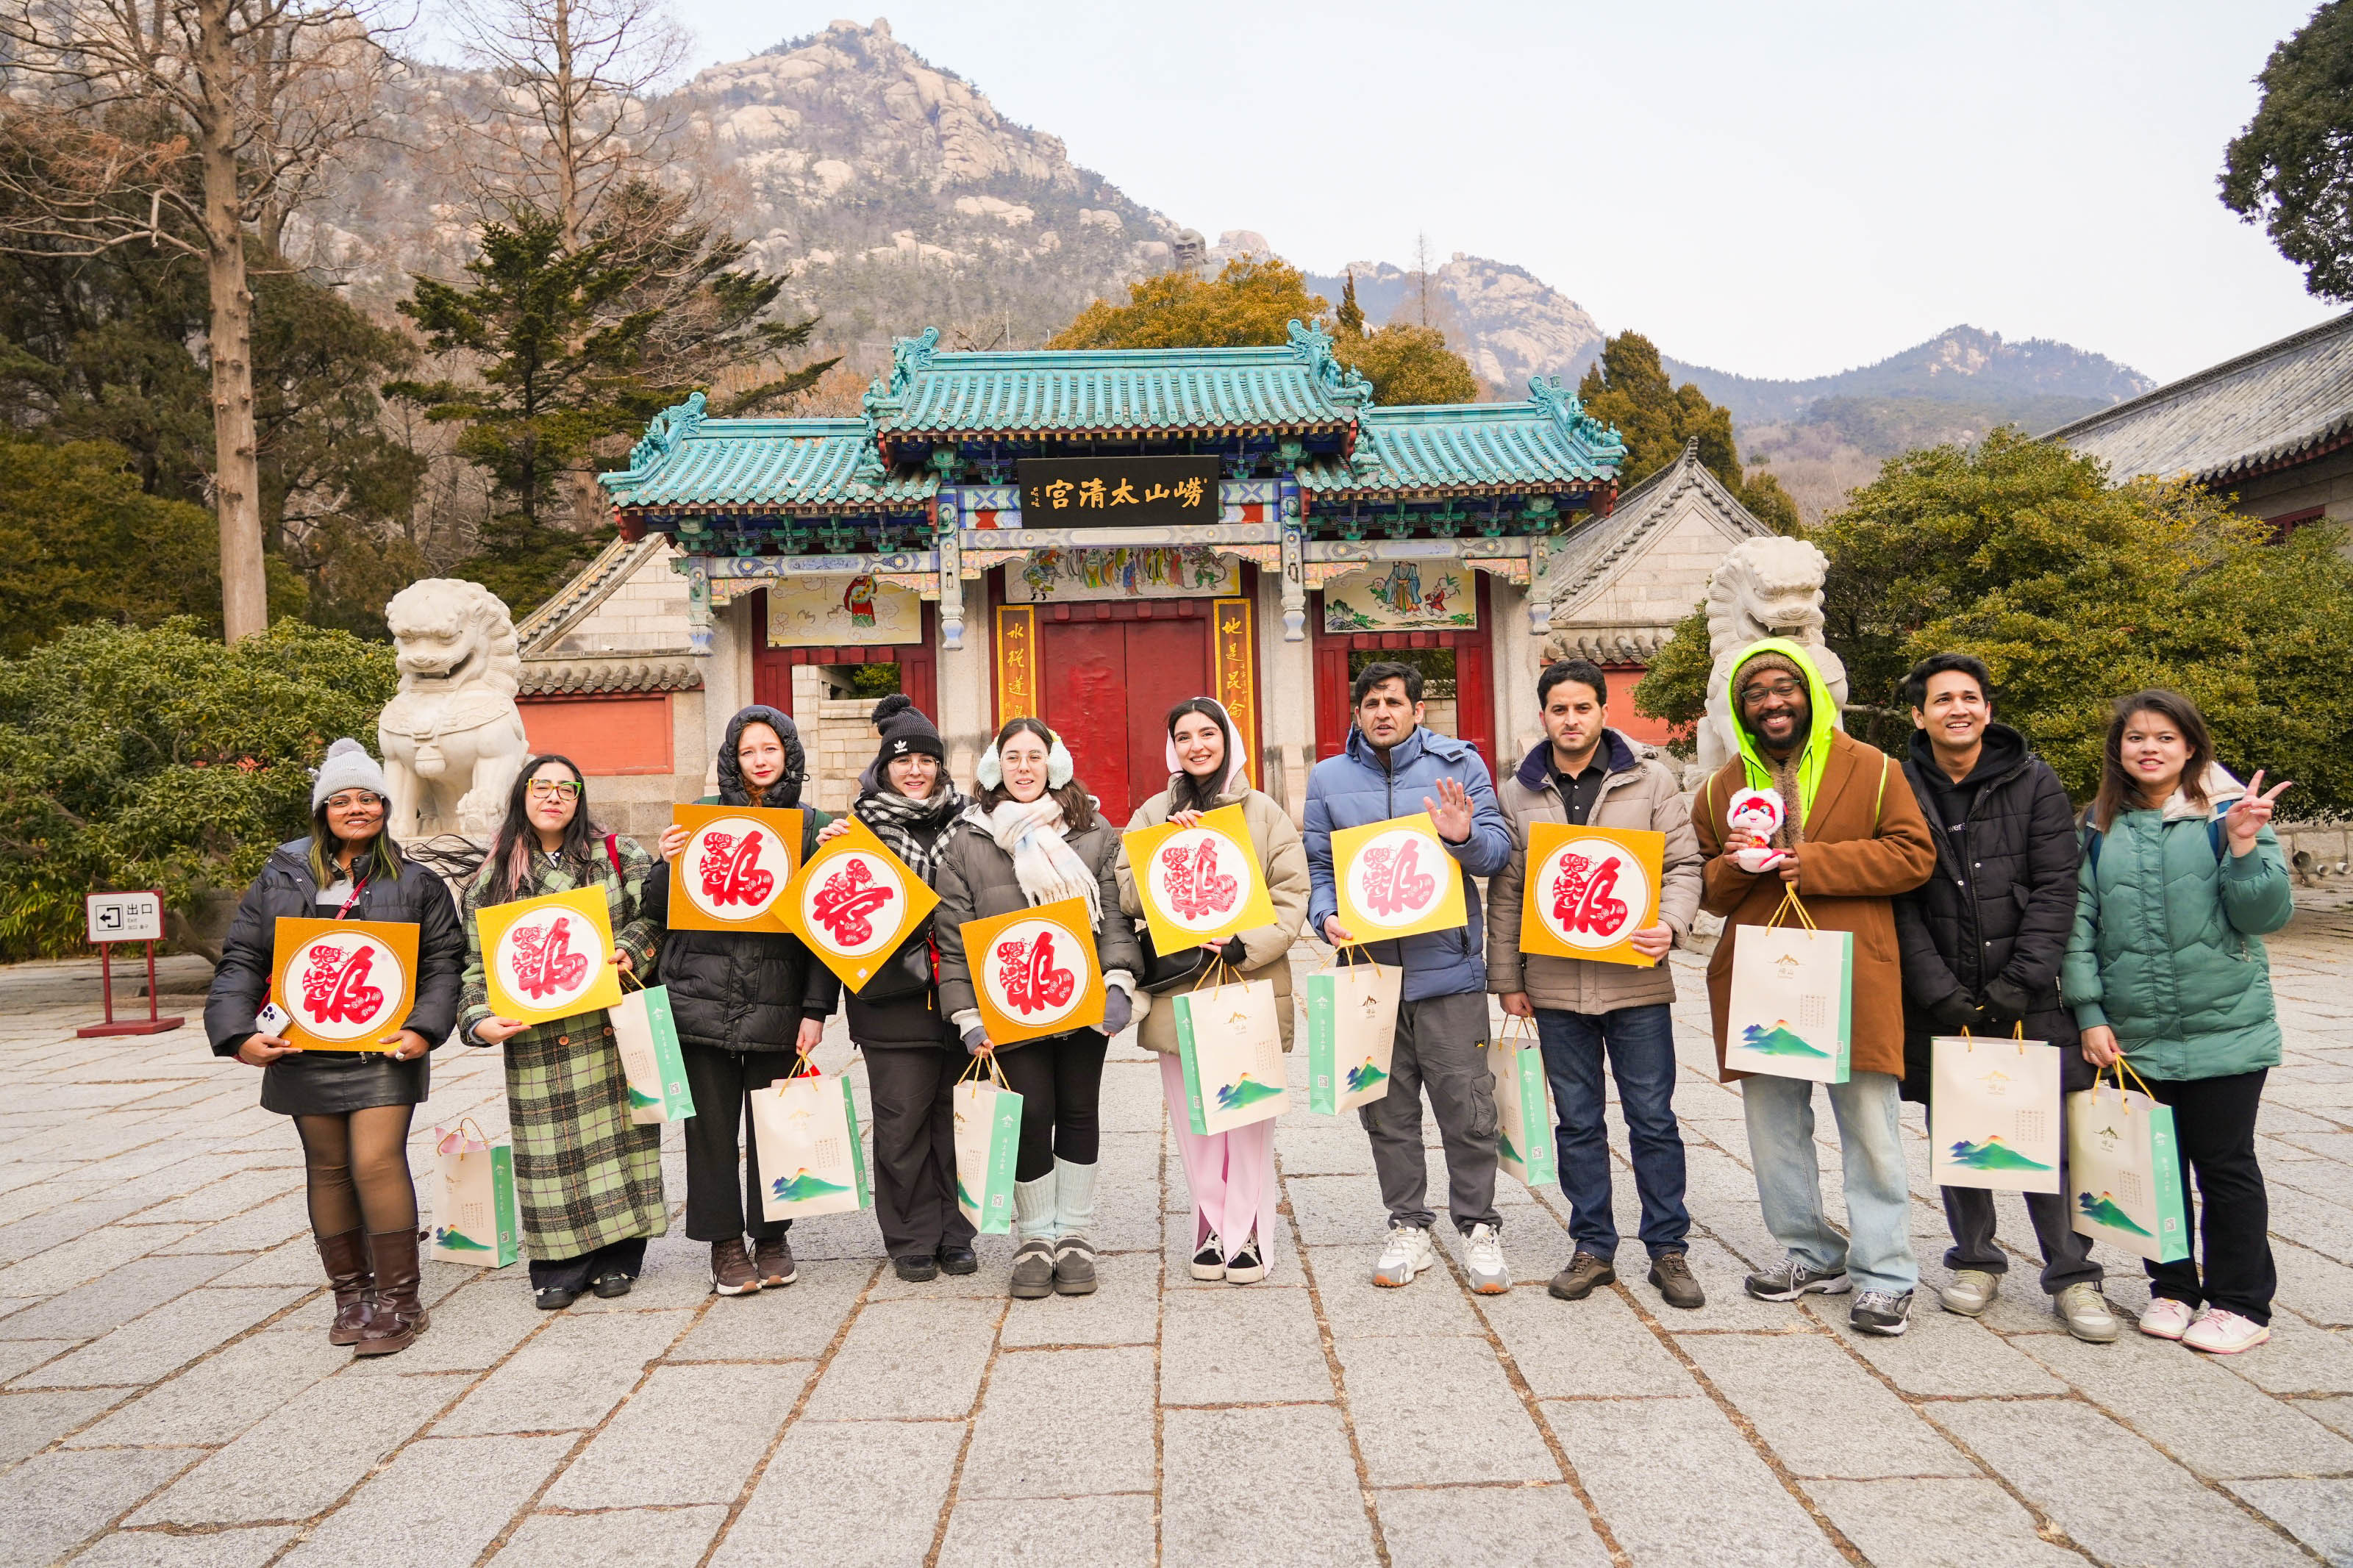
1993,1114
475,1217
1350,1030
988,1137
805,1128
647,1038
1230,1042
1523,1141
2124,1171
1789,1011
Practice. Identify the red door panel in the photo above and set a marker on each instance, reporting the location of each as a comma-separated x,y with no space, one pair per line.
1084,671
1167,661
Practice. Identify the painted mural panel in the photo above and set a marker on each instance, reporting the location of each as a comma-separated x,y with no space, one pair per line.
1071,577
1403,596
842,611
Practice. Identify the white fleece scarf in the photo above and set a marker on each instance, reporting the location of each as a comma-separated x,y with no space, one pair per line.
1047,868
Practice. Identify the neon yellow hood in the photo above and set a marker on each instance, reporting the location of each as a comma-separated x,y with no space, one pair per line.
1816,755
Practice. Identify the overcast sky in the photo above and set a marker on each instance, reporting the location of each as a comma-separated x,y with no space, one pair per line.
1776,190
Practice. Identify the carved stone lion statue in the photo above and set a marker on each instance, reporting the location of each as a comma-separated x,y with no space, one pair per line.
1769,587
451,737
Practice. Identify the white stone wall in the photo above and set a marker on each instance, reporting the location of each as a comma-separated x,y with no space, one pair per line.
644,613
1661,583
839,736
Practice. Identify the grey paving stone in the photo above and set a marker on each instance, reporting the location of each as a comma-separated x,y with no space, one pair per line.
1177,1246
1409,1438
1819,1413
691,1435
1455,1527
19,1355
2216,1424
910,1358
1356,1308
1720,1272
1307,1511
1339,1211
1324,1146
1937,1524
61,1223
995,1255
254,1230
870,1490
1942,1354
1063,1423
2320,1513
216,1549
2318,1286
796,1323
2116,1495
220,1397
676,1274
1586,1348
1678,1484
89,1311
161,1342
474,1328
294,1262
996,1533
2335,1414
31,1422
2298,1357
306,1454
53,1501
640,1537
565,1377
440,1501
1249,1345
1123,1310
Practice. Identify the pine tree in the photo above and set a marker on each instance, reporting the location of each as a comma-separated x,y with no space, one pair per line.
1628,387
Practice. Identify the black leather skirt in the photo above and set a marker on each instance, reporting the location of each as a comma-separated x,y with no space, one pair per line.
330,1083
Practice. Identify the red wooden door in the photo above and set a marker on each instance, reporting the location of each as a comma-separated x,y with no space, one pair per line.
1106,687
772,668
1475,684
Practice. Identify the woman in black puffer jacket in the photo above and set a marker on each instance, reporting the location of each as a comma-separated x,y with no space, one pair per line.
746,1004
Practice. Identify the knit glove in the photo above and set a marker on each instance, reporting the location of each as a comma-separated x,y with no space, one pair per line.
1234,951
1959,1011
1118,1011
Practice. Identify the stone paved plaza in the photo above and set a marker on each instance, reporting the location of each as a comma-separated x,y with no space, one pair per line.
167,1394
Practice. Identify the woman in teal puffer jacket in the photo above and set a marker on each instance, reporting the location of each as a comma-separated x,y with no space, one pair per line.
2182,878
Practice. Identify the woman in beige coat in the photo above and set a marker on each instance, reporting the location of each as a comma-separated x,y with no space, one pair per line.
1232,1174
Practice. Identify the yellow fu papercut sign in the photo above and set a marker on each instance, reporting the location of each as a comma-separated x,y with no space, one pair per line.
345,984
1395,878
1199,884
545,958
1034,971
855,902
1588,889
734,871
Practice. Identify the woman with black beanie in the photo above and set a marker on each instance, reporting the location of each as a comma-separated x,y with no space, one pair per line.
913,1057
747,1005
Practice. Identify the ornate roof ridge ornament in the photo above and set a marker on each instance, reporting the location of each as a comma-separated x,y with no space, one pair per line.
1341,384
1567,411
665,430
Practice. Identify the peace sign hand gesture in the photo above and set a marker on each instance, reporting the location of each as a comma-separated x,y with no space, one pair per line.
2253,810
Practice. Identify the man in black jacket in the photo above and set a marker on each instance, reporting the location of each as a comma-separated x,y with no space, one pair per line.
1982,942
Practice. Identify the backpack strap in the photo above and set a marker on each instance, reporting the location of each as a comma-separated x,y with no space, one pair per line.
612,851
2215,830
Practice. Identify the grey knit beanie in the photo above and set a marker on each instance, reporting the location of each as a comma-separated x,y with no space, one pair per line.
1757,664
347,766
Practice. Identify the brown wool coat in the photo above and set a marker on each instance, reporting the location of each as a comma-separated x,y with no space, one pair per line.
1862,845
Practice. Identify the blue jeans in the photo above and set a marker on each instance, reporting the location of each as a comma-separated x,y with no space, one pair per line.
1780,1114
1641,1043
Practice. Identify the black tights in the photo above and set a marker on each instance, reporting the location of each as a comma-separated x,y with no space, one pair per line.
357,1164
1059,1080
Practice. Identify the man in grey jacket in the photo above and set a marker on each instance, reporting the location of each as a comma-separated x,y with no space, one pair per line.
1584,774
1394,767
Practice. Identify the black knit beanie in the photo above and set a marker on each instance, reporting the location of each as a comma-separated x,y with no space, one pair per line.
905,730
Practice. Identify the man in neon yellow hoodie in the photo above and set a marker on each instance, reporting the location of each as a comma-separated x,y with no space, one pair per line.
1851,840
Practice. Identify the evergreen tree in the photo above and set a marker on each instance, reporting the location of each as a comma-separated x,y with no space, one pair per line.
2290,169
1348,321
1629,387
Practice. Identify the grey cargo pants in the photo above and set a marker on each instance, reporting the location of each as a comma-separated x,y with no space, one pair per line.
1440,1046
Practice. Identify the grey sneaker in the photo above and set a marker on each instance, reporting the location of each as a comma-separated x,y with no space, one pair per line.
1881,1312
1670,1273
1585,1275
1971,1291
1074,1266
1405,1254
1033,1269
1789,1279
1482,1259
2086,1314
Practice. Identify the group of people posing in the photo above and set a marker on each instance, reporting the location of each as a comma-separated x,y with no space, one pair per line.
1975,900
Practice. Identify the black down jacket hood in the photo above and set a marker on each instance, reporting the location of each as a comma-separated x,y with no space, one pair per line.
788,793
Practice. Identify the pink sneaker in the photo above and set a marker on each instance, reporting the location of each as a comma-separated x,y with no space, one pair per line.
2167,1319
2219,1332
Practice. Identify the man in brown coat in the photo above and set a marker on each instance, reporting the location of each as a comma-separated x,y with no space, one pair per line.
1851,839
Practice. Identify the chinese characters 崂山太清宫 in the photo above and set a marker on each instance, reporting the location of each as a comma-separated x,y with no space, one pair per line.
1061,494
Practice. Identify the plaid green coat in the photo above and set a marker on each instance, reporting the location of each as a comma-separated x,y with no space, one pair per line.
585,1176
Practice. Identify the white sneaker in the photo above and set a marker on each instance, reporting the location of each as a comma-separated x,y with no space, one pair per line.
2167,1319
1406,1254
2221,1332
1482,1256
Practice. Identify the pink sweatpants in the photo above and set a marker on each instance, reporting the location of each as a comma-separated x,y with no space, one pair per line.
1232,1174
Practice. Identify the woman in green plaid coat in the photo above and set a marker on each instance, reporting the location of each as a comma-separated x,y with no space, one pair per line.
589,1181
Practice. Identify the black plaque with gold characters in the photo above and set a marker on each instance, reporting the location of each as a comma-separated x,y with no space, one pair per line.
1117,492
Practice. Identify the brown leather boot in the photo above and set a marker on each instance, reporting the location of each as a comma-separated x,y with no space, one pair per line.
399,1316
346,1257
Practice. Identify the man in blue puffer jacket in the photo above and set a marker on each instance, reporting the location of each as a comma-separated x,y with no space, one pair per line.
1394,767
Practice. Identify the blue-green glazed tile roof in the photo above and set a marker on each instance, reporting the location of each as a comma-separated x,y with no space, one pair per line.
826,463
1548,442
